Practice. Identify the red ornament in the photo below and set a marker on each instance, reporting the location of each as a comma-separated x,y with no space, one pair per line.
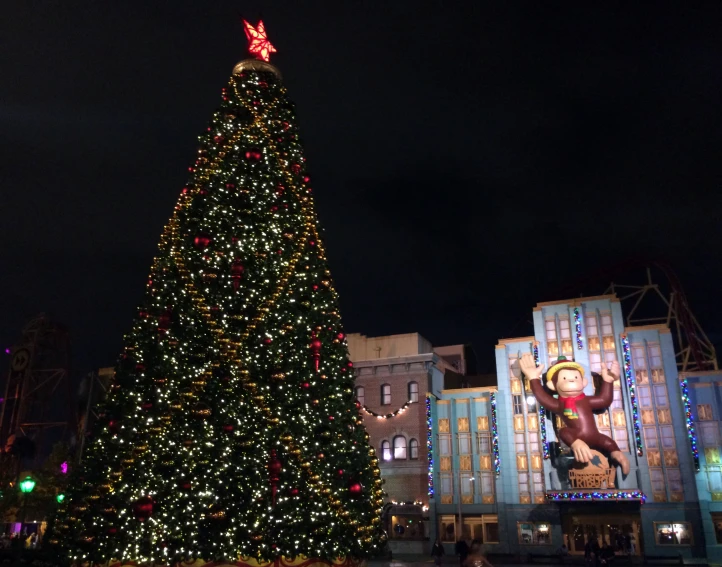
143,508
340,472
230,186
356,489
164,322
306,179
294,492
254,154
321,455
331,418
268,340
218,139
274,469
296,168
228,428
306,385
340,336
202,241
258,44
316,350
112,531
147,405
185,485
237,270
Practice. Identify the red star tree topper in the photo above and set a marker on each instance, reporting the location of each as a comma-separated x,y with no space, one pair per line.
258,44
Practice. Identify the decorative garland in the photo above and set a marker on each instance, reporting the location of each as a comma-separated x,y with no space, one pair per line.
632,393
578,325
429,445
620,495
689,418
399,411
495,435
542,411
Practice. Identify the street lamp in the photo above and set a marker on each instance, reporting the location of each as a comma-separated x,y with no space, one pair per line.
27,486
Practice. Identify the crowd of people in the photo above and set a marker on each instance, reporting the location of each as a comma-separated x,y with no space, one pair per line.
19,540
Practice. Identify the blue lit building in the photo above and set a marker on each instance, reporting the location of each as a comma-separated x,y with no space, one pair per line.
501,475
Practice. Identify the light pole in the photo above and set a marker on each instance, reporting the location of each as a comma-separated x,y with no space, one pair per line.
26,487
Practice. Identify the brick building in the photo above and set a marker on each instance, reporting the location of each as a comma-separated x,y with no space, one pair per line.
393,376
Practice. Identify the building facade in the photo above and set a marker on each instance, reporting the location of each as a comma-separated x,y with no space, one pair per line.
394,374
501,475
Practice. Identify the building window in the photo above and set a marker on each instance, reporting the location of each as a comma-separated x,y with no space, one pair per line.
484,443
414,449
482,423
645,399
399,448
717,521
491,529
657,479
660,395
520,443
385,450
667,436
487,483
650,437
551,335
674,480
467,484
462,424
533,442
523,482
360,395
534,534
655,357
413,392
448,529
385,394
464,443
709,433
445,445
518,407
673,534
704,412
566,337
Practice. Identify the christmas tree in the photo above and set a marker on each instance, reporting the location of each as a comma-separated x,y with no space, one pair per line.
231,429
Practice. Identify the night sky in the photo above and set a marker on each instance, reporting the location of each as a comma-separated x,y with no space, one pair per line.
469,159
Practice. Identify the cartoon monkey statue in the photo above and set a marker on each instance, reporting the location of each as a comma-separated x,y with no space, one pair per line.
574,407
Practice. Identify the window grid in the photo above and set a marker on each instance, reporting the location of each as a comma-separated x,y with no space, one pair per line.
413,392
361,395
385,394
399,448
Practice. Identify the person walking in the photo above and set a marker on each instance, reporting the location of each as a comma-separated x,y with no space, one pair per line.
462,550
476,556
437,552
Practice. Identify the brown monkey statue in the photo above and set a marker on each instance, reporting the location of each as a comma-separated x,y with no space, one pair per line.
574,407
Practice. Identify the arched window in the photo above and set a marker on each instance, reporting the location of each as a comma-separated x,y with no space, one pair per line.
360,395
385,394
413,392
385,450
399,447
413,449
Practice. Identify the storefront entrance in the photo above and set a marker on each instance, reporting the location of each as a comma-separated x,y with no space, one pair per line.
620,530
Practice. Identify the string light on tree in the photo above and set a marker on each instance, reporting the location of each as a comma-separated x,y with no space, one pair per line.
230,429
689,420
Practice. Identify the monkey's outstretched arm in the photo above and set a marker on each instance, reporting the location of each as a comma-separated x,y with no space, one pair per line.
603,398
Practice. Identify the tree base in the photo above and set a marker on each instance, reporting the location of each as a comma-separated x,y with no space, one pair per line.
250,562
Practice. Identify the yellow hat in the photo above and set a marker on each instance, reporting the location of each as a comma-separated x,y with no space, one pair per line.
561,364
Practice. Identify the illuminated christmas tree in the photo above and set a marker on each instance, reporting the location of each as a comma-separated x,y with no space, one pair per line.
231,429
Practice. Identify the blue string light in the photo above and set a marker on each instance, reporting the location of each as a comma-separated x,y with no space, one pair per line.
689,418
632,393
495,435
542,411
429,445
578,324
612,495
